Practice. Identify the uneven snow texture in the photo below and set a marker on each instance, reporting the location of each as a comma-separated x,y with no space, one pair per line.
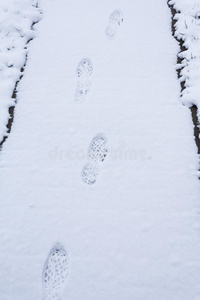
17,18
187,29
55,273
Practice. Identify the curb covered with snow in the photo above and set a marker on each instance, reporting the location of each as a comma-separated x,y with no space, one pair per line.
187,30
16,30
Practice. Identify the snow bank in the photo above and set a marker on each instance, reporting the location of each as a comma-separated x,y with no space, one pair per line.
187,29
16,30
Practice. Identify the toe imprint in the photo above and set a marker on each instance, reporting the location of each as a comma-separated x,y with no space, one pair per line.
98,148
116,17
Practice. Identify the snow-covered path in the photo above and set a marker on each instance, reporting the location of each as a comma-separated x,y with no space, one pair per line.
134,234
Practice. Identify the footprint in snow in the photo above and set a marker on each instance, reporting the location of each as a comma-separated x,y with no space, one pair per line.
84,72
97,153
55,272
115,20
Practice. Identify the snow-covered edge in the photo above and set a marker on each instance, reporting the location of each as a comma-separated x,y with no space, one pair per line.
18,18
187,31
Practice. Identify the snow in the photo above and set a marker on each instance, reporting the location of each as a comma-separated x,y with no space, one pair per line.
188,30
17,18
134,233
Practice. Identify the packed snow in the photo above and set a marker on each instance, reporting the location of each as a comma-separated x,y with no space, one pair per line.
99,180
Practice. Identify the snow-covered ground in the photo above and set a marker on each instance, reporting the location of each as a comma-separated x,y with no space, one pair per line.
127,217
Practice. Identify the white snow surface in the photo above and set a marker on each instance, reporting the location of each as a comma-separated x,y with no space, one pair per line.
16,19
134,233
188,30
